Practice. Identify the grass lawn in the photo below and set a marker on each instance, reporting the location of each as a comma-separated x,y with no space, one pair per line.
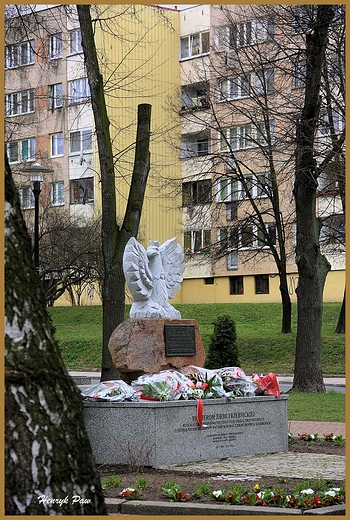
262,347
329,407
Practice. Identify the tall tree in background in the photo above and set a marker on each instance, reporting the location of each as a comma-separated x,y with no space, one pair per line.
114,237
47,450
312,265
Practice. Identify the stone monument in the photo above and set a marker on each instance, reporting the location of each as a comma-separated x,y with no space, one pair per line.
155,337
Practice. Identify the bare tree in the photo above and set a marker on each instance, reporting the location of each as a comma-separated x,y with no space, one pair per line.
49,464
114,237
70,252
312,265
244,99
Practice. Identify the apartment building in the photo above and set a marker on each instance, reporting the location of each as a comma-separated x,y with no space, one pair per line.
223,95
49,117
47,109
241,94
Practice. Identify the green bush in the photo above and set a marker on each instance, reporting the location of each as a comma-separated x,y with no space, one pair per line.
223,351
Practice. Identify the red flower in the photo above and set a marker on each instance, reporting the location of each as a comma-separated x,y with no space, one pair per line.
317,501
205,386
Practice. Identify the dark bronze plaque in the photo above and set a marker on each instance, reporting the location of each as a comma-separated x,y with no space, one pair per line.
180,340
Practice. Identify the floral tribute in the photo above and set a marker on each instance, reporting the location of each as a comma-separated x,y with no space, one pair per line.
305,499
190,382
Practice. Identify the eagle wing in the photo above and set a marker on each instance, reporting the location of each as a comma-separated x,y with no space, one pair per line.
172,258
136,270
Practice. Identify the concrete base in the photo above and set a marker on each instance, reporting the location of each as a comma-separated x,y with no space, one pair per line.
163,433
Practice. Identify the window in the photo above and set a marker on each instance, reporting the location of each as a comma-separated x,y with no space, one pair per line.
55,46
82,191
26,197
57,193
209,281
194,45
198,192
196,241
80,141
333,126
194,97
56,144
247,237
245,136
302,18
245,33
18,55
263,82
195,145
270,239
232,260
236,285
55,96
262,284
21,150
228,189
333,230
228,238
262,30
232,210
12,150
75,41
234,87
299,74
78,90
22,102
28,149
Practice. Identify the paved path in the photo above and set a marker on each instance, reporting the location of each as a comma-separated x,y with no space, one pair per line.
321,428
289,464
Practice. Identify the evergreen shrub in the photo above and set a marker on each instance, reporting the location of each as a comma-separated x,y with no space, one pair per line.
223,350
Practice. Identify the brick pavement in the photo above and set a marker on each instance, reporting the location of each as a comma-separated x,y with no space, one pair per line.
299,427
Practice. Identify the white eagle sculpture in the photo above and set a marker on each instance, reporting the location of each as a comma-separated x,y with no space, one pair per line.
153,276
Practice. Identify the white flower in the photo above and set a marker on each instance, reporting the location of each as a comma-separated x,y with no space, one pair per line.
330,493
197,393
307,491
335,489
217,493
261,494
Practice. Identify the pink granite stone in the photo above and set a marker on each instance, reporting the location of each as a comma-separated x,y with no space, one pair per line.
137,347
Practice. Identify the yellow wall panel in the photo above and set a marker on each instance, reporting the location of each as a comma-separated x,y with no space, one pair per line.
140,64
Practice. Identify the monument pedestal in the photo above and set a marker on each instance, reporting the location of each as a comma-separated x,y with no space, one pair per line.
164,433
147,346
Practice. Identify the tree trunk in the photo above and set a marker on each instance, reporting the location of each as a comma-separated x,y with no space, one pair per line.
340,329
114,238
132,216
286,305
312,265
48,459
109,215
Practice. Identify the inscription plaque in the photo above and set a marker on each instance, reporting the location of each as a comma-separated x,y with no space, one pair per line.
180,340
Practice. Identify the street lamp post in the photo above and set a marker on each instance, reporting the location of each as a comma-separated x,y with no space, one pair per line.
36,179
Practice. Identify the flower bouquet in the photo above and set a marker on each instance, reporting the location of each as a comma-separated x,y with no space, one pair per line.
235,381
165,386
205,384
267,384
109,391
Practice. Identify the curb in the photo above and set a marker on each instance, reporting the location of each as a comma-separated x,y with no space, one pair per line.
152,508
